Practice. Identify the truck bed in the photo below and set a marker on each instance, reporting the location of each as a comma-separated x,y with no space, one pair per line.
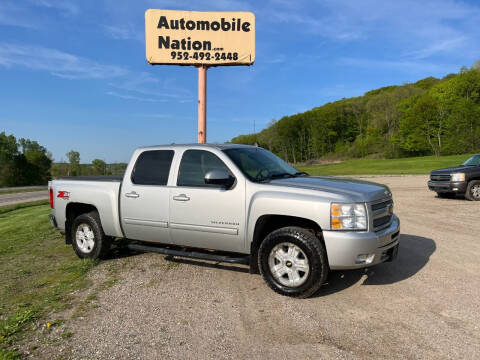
111,178
101,192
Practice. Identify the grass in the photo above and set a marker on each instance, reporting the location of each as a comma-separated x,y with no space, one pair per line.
16,191
405,166
37,272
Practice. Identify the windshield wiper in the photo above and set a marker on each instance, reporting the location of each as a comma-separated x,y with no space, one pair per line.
281,175
285,174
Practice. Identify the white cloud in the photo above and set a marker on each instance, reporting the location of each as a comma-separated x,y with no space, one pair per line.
146,84
423,28
442,46
133,97
141,86
56,62
404,66
13,15
25,13
124,32
64,6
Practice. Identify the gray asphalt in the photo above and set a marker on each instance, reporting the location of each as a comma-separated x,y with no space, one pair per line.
17,198
23,188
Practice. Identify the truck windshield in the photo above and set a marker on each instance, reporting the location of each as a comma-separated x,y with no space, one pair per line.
473,161
261,165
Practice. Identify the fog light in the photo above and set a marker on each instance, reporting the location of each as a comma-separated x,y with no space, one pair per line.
365,258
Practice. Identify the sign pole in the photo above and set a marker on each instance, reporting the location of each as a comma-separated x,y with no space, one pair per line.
202,104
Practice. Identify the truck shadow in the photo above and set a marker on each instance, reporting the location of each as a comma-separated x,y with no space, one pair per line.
413,254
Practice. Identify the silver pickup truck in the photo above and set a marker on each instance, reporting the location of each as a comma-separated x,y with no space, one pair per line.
231,203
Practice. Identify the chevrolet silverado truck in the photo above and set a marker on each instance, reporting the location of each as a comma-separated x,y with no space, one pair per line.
464,180
234,204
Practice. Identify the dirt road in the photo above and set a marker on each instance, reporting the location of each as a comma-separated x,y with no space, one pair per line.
17,198
426,304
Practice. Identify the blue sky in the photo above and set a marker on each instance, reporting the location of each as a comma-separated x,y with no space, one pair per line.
73,74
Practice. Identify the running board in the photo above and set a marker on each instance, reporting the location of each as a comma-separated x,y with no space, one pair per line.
191,254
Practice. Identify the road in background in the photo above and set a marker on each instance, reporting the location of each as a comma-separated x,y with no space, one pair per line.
22,188
17,198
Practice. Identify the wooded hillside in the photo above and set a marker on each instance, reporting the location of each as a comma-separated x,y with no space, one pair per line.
429,117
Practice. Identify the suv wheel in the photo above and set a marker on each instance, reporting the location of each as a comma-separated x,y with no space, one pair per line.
88,238
473,190
293,262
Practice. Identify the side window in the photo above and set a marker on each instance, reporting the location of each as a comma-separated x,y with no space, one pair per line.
152,167
195,164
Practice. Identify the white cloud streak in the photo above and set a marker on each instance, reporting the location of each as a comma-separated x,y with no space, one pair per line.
423,28
56,62
141,86
124,32
133,97
66,7
404,66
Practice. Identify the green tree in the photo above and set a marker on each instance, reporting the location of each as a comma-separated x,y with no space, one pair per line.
39,160
99,166
8,153
74,161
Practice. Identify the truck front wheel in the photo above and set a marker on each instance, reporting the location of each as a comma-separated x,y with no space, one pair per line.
293,262
88,238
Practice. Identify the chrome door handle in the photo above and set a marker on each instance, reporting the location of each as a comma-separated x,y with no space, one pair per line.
132,194
181,197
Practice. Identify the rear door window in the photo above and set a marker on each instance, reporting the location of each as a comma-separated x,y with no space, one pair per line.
152,167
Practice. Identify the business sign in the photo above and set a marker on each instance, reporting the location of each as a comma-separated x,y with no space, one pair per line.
199,38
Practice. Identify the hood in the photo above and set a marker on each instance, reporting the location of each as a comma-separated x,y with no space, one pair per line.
351,189
452,170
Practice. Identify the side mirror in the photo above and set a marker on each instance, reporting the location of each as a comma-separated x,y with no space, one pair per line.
219,178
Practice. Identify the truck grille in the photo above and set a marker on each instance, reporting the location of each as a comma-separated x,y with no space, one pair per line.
441,177
381,221
381,205
381,214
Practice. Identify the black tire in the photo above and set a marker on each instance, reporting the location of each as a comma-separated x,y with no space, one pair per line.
314,251
446,195
473,190
101,242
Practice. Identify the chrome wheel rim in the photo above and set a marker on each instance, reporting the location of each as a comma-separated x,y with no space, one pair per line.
476,191
288,264
85,238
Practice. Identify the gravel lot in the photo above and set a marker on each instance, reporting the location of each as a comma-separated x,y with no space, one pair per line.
424,305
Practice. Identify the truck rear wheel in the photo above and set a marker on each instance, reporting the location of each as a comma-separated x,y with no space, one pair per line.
473,190
88,238
293,262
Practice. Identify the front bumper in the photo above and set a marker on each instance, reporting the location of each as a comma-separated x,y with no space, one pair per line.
345,247
459,187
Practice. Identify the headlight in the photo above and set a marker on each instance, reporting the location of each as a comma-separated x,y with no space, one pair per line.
348,217
457,177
